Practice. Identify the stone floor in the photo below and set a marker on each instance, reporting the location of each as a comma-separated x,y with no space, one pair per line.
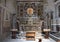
23,39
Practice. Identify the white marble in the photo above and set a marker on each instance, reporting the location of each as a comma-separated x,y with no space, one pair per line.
48,40
23,40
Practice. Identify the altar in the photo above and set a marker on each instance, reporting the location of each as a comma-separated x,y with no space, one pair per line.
29,19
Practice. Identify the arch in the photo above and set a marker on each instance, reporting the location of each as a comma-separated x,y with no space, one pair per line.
57,9
57,13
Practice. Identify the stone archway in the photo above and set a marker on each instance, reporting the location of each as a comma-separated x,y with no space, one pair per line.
57,13
57,4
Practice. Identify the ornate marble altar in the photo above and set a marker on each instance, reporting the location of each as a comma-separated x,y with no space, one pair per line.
29,16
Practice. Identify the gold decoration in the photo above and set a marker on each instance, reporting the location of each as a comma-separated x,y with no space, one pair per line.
30,11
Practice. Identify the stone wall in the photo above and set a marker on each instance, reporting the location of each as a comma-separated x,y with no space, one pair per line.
8,8
50,7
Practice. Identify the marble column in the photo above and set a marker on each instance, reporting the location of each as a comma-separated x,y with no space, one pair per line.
14,21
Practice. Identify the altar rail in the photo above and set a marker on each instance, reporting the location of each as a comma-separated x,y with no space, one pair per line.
55,38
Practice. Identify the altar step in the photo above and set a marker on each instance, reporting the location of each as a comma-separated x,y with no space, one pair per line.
39,35
24,40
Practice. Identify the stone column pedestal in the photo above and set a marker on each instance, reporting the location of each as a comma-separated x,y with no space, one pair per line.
14,31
